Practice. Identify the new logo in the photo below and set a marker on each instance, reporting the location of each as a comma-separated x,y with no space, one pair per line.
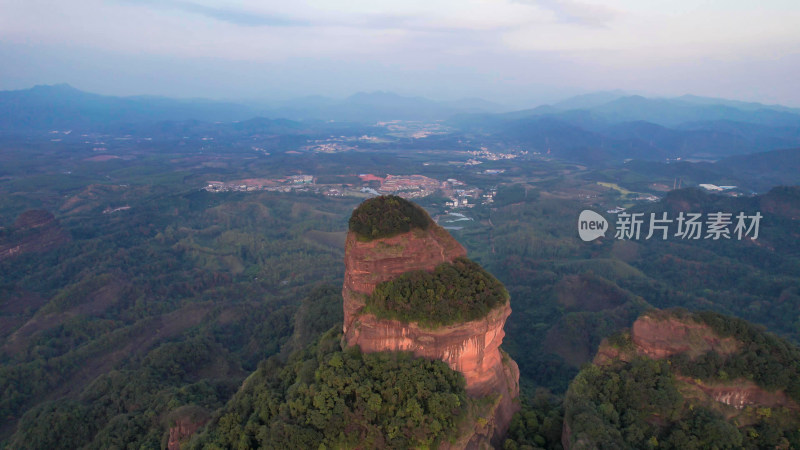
591,225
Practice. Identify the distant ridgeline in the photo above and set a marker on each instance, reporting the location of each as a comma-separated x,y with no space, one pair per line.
680,380
387,216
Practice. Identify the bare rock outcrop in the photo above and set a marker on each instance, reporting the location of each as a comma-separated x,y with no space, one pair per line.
181,431
742,393
660,337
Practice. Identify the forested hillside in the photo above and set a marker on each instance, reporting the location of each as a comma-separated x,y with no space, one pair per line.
328,397
168,304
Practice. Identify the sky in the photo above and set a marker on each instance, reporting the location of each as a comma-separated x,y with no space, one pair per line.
516,52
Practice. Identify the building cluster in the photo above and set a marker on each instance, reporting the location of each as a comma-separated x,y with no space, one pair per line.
300,179
715,188
463,197
483,153
409,183
646,198
286,184
330,147
407,186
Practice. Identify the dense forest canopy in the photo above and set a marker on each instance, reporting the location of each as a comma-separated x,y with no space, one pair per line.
170,303
454,292
326,397
386,216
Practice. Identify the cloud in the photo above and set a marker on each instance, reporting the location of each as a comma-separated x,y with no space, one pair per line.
230,15
568,11
447,16
455,46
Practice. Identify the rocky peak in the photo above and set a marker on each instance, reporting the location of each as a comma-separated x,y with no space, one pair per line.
390,237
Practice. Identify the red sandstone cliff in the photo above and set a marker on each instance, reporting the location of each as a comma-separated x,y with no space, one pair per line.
472,348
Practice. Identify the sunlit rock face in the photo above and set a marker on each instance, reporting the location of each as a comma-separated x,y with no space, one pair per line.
472,348
660,338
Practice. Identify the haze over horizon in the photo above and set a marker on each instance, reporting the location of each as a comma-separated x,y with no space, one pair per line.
517,52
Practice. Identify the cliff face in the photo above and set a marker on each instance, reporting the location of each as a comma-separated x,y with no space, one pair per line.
472,348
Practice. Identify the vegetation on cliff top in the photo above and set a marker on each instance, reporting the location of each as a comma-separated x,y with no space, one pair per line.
454,292
328,398
386,216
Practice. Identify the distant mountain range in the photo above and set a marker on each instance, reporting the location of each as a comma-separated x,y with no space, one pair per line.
607,127
62,106
378,106
602,127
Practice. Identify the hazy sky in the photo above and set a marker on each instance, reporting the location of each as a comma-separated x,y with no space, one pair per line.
505,50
